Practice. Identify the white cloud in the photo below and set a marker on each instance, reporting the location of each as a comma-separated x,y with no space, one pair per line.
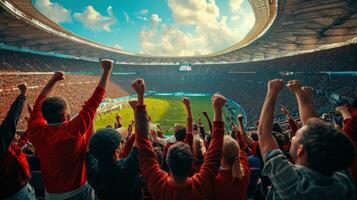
155,19
192,12
54,11
93,20
235,5
211,32
235,18
127,18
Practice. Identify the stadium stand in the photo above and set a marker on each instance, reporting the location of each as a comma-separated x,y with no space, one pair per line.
294,74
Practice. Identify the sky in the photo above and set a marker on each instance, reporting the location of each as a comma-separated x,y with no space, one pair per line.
155,27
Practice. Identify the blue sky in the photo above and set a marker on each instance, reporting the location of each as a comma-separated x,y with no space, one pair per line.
155,27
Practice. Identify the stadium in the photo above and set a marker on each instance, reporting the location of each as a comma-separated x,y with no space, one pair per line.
312,41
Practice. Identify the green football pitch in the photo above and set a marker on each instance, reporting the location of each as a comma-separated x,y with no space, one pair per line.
165,110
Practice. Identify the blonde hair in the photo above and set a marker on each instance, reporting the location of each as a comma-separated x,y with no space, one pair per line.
231,157
197,148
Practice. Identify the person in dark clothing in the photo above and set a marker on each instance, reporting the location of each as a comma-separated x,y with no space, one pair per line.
111,176
14,169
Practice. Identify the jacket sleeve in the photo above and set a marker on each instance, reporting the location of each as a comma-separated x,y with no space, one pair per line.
155,178
83,121
128,146
8,126
204,180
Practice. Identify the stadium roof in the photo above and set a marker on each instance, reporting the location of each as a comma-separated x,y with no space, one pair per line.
282,28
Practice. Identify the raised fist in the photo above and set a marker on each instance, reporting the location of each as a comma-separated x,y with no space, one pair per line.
218,101
133,103
240,118
284,110
107,65
275,85
294,85
58,76
23,88
186,101
139,86
308,93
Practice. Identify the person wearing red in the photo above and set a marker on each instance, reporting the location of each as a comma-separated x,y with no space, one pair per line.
14,169
233,177
177,184
61,142
349,115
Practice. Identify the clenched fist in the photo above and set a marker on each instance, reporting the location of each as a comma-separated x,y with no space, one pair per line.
107,65
58,76
186,101
275,86
218,101
294,85
139,86
23,88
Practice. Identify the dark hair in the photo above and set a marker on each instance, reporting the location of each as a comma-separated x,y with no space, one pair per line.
180,133
179,159
52,109
281,138
277,128
328,149
354,103
159,156
254,136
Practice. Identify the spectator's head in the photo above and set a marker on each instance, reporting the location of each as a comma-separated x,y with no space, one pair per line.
159,156
277,128
230,157
55,110
179,160
354,103
254,136
282,140
322,148
199,148
105,145
180,133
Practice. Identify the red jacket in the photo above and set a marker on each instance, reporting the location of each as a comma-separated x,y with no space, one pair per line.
160,184
14,169
350,128
228,188
62,147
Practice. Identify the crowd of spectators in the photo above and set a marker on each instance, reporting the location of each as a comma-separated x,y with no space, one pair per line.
270,162
75,89
291,151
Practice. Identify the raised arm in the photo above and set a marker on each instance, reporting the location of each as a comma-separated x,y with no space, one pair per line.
293,125
84,119
249,142
349,123
149,165
205,178
267,142
36,117
8,126
208,120
57,76
189,126
304,96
